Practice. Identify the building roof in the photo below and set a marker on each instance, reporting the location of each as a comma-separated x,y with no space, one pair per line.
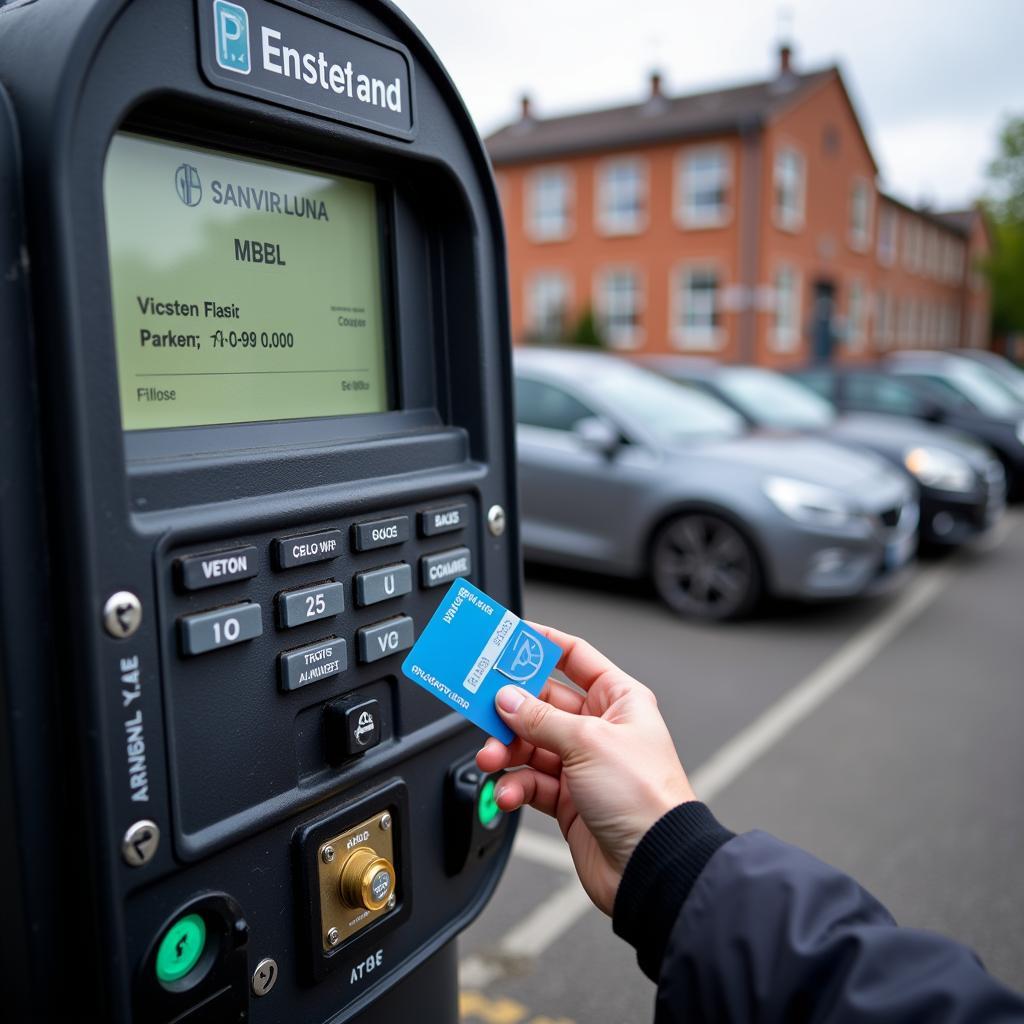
957,221
962,220
659,118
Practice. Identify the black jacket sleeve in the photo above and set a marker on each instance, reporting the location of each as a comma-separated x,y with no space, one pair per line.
747,928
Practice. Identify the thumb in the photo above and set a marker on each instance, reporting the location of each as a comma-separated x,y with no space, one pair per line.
536,721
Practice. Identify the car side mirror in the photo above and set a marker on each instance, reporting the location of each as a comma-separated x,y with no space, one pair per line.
933,412
598,435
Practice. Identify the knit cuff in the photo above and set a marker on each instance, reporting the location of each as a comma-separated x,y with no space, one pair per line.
659,876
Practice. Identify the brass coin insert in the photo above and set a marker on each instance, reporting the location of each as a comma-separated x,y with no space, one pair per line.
358,880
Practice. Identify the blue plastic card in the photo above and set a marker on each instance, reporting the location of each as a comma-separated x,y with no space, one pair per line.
471,648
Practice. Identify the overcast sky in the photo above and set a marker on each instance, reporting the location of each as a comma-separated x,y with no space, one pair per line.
932,79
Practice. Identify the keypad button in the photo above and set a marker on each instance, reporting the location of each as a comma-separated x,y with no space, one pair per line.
310,604
441,568
222,627
385,638
380,533
383,584
197,572
312,663
446,519
310,547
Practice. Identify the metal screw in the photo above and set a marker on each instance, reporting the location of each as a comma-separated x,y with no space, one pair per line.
333,937
140,842
122,614
264,978
496,520
392,901
327,854
385,821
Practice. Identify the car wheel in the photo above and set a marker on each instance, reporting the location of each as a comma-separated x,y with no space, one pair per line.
704,568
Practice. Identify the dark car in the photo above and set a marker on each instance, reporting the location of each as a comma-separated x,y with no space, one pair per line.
941,391
961,483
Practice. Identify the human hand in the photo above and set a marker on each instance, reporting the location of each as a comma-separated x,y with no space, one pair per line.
602,763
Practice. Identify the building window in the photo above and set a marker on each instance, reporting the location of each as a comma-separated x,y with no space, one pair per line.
888,221
786,312
622,196
913,322
855,315
549,204
696,313
883,320
619,301
958,262
931,253
702,189
911,245
547,306
860,215
790,189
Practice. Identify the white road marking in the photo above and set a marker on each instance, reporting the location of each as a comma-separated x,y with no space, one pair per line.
541,849
751,743
548,921
528,940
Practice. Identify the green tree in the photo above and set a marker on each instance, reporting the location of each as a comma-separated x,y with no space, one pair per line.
1006,209
587,333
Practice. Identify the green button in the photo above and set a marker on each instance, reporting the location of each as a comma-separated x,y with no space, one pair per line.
181,948
486,806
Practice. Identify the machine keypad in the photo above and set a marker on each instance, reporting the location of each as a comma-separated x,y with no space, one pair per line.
310,604
383,584
221,627
385,638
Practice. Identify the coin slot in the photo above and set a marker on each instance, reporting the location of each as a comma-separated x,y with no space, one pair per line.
358,878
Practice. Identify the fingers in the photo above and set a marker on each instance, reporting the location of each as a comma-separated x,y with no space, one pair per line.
528,787
583,663
538,722
495,756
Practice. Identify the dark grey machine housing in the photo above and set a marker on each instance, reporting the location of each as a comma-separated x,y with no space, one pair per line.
238,774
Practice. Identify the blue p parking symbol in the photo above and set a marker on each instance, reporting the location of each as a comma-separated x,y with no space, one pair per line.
231,27
522,658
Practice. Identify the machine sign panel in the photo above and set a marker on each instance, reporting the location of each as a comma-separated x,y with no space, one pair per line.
268,50
472,647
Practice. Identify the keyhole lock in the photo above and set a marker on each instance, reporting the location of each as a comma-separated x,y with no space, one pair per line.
367,880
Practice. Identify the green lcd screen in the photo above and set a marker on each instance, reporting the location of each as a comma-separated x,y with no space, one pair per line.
243,290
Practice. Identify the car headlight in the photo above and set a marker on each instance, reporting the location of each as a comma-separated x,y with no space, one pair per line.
1020,431
936,467
810,503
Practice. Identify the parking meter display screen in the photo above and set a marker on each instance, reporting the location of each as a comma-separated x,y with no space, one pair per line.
243,290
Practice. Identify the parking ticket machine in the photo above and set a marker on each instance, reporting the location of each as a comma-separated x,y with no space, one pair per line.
255,410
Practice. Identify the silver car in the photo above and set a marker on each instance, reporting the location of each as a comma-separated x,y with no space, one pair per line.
623,472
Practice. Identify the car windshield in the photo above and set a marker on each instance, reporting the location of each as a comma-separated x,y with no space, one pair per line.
663,409
982,389
1008,375
772,400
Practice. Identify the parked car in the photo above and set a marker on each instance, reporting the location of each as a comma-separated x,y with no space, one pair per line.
944,393
624,472
961,484
1006,370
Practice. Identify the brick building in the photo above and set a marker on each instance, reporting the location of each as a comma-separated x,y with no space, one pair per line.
745,223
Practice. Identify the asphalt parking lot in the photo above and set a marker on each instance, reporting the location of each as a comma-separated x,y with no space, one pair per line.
882,735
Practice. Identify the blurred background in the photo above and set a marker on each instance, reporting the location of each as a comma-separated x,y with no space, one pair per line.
766,280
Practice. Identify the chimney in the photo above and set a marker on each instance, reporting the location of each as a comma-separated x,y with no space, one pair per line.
785,59
524,106
655,85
